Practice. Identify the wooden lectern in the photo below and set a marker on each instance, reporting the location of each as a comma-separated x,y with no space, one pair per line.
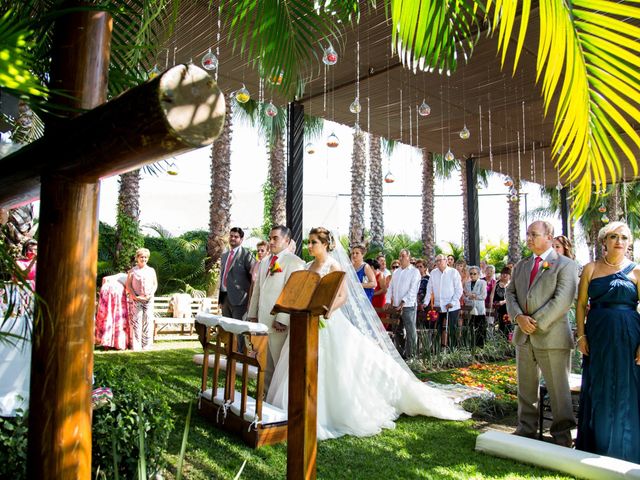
305,297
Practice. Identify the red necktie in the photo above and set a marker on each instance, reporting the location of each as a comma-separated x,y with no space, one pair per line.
534,271
227,267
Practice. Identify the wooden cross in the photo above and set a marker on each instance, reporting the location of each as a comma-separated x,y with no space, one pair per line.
177,111
305,297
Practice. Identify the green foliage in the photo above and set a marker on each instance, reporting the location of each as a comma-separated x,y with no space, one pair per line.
456,250
13,446
130,239
490,408
179,261
138,409
495,254
268,192
394,243
107,240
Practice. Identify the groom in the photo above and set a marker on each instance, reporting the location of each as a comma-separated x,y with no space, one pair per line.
538,298
273,273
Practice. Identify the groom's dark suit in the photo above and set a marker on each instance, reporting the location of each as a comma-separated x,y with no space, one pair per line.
234,301
548,348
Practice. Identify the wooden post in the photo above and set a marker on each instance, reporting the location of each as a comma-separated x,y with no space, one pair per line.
62,357
305,296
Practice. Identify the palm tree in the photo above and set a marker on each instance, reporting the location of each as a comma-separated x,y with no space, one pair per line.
358,187
428,207
375,193
513,235
128,237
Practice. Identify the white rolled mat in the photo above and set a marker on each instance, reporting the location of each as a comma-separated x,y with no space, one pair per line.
554,457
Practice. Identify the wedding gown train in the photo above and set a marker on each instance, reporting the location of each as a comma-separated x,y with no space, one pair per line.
361,388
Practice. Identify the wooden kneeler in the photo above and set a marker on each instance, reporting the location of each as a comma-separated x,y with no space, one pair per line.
305,297
254,420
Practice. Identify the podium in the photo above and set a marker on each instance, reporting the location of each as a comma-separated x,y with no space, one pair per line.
306,296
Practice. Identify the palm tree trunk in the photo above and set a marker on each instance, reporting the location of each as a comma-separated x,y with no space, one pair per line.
428,199
375,193
614,208
514,226
465,209
358,179
278,176
220,200
595,250
128,237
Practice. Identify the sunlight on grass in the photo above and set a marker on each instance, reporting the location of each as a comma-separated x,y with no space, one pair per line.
419,447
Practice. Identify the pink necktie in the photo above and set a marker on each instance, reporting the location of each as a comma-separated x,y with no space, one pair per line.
534,271
226,268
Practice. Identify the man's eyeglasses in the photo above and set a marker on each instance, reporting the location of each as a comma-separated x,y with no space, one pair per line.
534,234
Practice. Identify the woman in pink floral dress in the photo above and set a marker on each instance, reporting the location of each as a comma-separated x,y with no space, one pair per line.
112,320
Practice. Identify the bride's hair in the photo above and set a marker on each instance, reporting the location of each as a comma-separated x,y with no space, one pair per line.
324,236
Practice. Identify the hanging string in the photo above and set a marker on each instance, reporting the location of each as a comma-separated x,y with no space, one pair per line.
533,161
401,116
524,130
324,93
544,170
358,77
441,119
519,165
480,125
218,43
490,145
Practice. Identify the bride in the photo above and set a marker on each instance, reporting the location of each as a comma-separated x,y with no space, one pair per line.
363,383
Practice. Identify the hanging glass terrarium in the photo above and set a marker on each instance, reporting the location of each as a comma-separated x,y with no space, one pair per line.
277,79
604,219
389,178
449,156
154,72
270,110
355,106
508,182
424,109
513,198
330,56
242,95
310,148
333,141
602,209
464,133
209,61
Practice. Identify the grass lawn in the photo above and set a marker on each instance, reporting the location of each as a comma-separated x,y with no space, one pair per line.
419,447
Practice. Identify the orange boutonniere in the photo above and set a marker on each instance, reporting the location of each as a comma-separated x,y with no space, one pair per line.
546,266
275,268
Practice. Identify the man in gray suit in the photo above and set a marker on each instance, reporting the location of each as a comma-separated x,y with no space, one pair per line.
539,295
235,280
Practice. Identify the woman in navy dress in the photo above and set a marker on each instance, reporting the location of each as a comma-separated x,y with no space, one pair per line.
609,417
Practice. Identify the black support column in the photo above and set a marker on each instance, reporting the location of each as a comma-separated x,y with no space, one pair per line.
295,141
564,211
472,209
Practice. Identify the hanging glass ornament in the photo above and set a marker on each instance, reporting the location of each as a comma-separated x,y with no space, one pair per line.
507,181
559,186
513,198
464,133
602,209
209,61
242,95
270,110
424,109
154,72
449,156
330,56
333,141
173,169
310,148
389,178
604,219
513,191
355,106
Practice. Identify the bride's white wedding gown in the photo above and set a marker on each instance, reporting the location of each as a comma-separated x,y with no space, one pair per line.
361,388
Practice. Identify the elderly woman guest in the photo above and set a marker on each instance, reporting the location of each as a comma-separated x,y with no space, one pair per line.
142,284
609,339
490,279
474,293
499,301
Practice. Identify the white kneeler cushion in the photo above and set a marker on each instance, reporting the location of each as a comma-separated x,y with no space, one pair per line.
554,457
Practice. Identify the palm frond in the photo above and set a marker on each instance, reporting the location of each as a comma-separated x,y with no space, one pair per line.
588,52
313,128
301,29
431,34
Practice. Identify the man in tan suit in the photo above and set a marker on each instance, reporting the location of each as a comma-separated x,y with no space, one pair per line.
273,273
539,295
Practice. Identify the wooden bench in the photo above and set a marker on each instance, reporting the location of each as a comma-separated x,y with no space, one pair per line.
251,418
165,318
